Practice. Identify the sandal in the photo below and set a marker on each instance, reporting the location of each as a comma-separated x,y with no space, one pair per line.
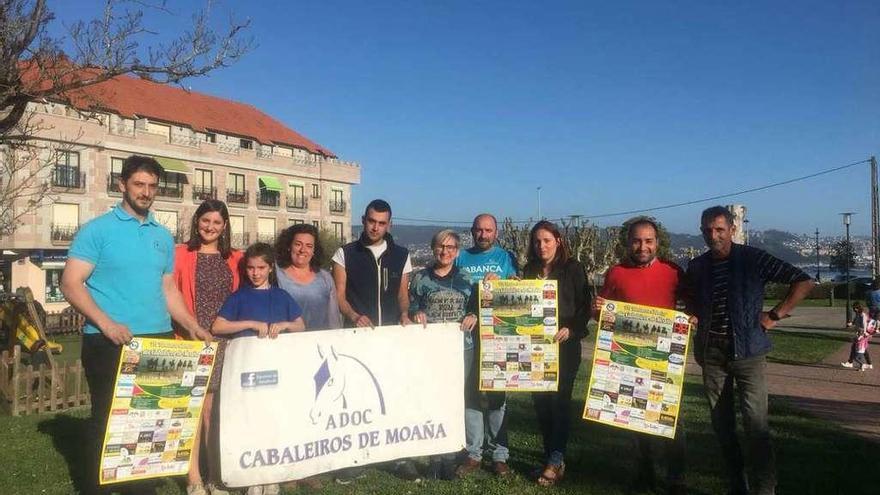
551,475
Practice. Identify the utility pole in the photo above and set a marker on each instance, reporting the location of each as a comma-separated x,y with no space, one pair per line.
818,278
875,221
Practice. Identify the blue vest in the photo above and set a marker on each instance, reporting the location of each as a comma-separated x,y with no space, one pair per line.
372,285
745,302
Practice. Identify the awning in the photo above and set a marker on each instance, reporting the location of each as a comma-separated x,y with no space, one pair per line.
270,183
173,165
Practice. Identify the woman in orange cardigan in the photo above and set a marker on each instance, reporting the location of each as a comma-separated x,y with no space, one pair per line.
206,272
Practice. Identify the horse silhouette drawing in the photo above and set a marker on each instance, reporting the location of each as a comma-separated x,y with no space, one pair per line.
342,379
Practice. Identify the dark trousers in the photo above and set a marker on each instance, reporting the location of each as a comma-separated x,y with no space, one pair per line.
554,408
721,377
674,453
100,359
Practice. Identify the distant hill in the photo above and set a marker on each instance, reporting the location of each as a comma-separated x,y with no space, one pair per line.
415,235
777,242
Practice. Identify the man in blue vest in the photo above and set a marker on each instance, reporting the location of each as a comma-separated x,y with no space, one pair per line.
119,275
484,260
731,341
372,288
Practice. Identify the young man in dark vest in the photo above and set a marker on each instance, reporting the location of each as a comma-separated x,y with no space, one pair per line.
372,289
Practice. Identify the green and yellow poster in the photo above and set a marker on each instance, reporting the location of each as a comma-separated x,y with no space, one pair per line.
157,400
638,368
518,319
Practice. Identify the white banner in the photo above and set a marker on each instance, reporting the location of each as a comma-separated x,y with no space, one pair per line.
314,402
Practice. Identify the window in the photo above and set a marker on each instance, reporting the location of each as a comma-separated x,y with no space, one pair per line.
337,231
246,144
66,173
266,230
236,182
65,221
316,191
210,137
296,221
235,191
115,174
296,195
317,224
168,219
170,185
203,185
53,285
337,204
236,228
204,178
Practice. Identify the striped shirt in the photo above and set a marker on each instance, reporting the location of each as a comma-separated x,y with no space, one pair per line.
770,269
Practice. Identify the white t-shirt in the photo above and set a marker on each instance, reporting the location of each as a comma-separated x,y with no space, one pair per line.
377,249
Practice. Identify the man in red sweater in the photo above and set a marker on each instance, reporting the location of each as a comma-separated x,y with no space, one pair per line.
644,279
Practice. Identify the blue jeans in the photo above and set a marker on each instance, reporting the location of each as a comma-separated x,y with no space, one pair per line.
721,375
480,427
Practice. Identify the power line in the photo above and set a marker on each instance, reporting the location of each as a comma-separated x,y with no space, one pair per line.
663,207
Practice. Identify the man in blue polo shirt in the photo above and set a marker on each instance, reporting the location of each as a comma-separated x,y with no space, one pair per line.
119,275
484,260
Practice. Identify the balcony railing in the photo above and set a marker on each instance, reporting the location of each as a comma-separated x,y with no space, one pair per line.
201,193
184,139
268,198
236,196
297,203
63,233
337,206
267,237
170,191
264,151
66,177
240,240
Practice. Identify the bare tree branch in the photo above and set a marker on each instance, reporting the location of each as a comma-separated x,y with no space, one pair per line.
34,68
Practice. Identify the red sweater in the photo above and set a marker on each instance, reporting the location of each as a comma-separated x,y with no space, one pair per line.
654,285
185,275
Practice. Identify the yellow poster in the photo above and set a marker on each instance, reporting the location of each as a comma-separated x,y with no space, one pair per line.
638,368
157,400
518,319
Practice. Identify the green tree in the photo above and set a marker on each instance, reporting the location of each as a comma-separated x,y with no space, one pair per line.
839,254
330,244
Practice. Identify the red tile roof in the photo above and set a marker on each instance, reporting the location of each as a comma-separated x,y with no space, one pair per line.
132,96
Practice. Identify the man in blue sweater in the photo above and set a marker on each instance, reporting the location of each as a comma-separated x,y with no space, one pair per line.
484,260
731,341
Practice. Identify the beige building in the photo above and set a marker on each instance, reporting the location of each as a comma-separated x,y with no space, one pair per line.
268,175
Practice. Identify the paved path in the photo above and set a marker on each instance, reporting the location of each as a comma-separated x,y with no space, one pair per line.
826,390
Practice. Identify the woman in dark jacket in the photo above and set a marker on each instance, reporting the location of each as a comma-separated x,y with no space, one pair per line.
549,258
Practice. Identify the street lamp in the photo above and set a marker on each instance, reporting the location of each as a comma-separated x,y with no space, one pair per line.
539,204
847,219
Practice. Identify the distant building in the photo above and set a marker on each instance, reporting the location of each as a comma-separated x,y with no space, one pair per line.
269,175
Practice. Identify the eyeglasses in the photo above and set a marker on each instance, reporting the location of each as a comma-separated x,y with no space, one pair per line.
446,247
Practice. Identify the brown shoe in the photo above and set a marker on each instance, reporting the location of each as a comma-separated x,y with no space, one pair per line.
467,467
501,469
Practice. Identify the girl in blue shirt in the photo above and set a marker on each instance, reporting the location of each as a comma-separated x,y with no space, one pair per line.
258,307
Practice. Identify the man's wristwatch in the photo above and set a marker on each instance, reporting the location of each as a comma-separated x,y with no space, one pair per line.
774,315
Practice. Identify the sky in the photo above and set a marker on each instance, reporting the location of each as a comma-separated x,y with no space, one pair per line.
456,107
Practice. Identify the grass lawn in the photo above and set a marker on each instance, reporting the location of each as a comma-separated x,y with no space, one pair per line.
44,454
805,347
